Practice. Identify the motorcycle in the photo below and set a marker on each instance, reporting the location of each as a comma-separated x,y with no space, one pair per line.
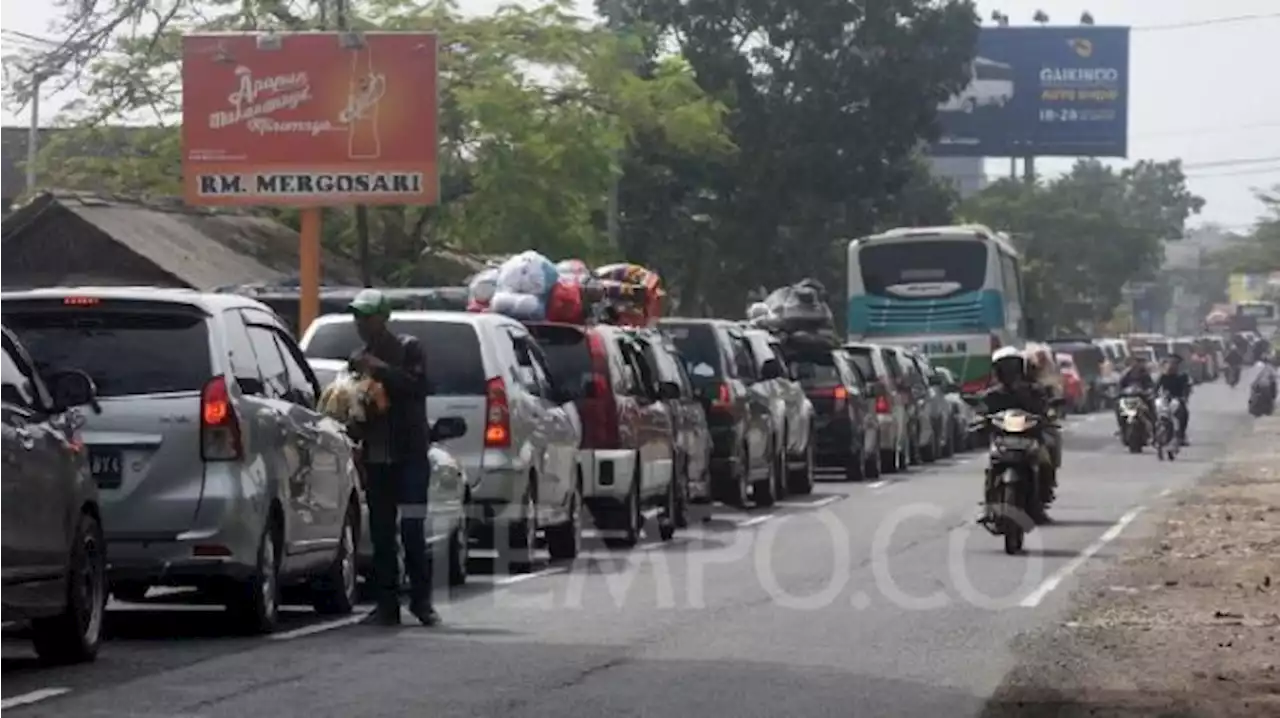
1262,400
1135,425
1232,375
1166,432
1013,491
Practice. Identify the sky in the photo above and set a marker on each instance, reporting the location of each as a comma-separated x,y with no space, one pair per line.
1202,87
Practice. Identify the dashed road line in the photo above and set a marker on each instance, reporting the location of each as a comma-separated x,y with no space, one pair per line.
522,577
825,501
754,521
879,484
1044,589
36,696
319,627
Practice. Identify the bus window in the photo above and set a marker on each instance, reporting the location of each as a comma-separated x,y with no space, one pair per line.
992,71
888,266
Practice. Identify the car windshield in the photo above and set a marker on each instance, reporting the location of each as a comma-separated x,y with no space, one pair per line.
454,363
126,353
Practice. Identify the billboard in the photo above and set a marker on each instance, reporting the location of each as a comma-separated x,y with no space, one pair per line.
309,119
1041,91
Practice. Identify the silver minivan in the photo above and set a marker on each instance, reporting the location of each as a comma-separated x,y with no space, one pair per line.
214,468
520,448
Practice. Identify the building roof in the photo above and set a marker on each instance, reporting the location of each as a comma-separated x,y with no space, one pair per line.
203,248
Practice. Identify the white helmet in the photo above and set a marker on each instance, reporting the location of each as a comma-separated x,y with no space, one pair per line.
757,311
1008,363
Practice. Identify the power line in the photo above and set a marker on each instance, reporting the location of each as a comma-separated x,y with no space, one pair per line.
1206,130
1229,163
1236,173
1207,23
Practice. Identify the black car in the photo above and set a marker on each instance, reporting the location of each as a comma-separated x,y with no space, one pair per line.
845,424
721,368
54,556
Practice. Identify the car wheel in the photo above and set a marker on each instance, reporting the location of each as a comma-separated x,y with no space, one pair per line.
737,495
780,472
629,515
801,480
255,603
336,592
522,533
460,547
889,460
762,490
681,517
874,463
74,635
667,519
564,542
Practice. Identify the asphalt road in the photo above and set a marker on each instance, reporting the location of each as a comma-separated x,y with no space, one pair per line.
873,599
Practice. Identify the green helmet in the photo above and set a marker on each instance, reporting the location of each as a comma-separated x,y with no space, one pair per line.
370,303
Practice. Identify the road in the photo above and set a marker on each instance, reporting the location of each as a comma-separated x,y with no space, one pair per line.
872,599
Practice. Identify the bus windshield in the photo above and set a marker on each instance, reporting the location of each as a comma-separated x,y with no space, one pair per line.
888,266
987,70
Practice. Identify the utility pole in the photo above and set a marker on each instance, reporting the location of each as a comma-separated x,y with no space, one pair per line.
33,131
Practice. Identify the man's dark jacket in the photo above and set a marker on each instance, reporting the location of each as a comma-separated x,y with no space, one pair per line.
401,433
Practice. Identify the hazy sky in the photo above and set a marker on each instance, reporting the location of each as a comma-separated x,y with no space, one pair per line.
1201,90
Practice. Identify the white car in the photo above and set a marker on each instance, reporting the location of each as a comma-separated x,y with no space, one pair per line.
519,450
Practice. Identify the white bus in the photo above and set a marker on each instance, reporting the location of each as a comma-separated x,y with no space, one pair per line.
955,293
990,84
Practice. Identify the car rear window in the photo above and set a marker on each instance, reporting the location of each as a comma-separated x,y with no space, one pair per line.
567,351
455,366
861,357
700,349
814,370
126,352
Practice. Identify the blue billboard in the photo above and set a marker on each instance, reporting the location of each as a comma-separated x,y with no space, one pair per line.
1041,91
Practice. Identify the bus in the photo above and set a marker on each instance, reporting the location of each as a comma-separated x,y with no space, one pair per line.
1260,313
990,83
953,293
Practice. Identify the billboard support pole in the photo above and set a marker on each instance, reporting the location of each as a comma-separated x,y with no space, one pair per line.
1029,165
312,220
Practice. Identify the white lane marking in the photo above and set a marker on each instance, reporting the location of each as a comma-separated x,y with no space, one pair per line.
1045,588
879,484
756,521
827,501
1165,493
27,699
522,577
319,627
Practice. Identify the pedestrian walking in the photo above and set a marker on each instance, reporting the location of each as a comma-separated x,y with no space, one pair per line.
394,454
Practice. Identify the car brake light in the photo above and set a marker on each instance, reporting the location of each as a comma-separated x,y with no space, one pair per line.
219,427
600,428
724,397
81,301
497,415
882,405
840,393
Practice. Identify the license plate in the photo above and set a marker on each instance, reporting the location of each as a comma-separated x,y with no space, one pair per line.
1014,442
107,467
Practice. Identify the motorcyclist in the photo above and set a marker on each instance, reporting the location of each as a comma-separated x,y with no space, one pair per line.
1178,385
1267,377
1136,375
1014,389
1043,372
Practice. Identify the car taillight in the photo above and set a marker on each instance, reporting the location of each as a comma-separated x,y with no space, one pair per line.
497,415
219,427
975,386
600,420
882,405
840,393
724,397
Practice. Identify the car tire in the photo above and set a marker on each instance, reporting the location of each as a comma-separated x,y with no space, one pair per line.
762,490
255,603
681,517
632,523
738,495
336,592
521,540
801,481
74,635
564,542
667,519
459,547
874,463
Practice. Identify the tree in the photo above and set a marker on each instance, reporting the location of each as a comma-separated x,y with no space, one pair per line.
1088,233
535,106
830,100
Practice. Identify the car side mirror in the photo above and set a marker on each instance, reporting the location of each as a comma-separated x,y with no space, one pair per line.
448,427
771,369
668,391
72,388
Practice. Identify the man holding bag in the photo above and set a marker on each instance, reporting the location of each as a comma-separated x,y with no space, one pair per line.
394,457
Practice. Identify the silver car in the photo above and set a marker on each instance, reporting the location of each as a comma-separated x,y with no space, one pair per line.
520,448
213,467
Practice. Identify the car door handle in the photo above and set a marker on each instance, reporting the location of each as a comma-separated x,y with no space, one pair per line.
26,439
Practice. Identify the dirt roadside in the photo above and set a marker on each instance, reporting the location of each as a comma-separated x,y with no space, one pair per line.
1187,623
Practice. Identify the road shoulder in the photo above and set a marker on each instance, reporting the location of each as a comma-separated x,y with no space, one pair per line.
1186,623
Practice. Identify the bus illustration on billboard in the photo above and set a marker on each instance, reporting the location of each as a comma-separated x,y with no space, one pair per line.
990,85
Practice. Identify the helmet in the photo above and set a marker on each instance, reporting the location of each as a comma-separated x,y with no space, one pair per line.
1008,365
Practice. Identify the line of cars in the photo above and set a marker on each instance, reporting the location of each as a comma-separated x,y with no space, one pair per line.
158,437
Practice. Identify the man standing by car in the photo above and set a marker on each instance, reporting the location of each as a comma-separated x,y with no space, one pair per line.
394,454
